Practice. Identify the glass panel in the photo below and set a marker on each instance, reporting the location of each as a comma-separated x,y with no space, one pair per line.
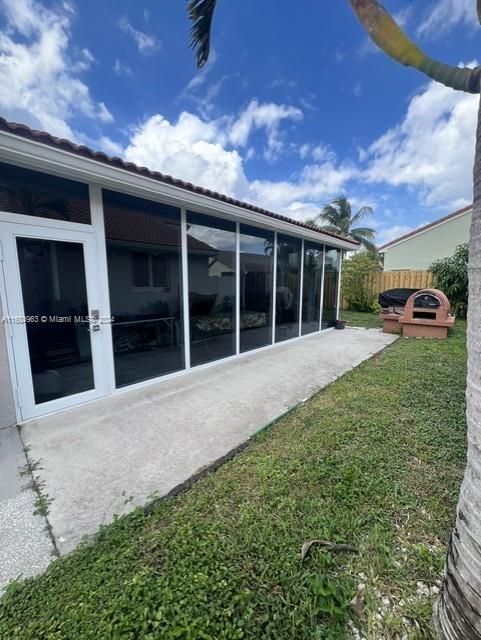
145,283
211,255
52,274
311,289
160,269
140,268
331,277
43,196
288,284
256,265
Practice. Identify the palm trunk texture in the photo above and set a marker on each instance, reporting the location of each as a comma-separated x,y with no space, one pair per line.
457,613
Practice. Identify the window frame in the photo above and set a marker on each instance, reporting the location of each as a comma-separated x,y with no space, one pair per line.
149,287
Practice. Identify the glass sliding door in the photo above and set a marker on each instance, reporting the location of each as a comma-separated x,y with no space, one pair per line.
287,287
331,279
54,292
256,272
211,244
311,288
145,284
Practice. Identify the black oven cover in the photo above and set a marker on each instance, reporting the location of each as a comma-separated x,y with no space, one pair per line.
395,297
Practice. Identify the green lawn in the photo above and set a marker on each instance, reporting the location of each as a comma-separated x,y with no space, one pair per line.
361,319
374,461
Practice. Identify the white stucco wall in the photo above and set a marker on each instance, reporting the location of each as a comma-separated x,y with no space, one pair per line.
420,251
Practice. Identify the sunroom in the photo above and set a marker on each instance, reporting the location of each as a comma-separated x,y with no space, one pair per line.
114,276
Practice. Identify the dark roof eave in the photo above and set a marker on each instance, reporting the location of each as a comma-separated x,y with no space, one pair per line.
43,137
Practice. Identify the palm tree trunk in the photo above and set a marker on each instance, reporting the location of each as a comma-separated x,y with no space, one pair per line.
457,614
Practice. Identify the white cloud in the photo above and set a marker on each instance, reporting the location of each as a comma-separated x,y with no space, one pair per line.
322,152
200,76
196,81
358,90
147,44
103,113
88,57
317,153
202,94
84,62
304,150
367,48
432,149
403,16
282,83
207,153
300,210
391,233
340,54
257,116
206,102
305,192
443,15
308,102
266,116
39,72
188,149
122,69
251,153
108,145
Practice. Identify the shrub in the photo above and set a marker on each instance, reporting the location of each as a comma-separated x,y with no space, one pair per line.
355,287
376,307
450,275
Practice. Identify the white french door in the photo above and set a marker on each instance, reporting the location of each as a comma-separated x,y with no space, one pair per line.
53,316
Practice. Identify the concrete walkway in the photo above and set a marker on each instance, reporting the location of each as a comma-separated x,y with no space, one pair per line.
150,440
25,547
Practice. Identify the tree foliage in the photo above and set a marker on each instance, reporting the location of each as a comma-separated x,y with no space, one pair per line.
339,218
201,13
451,277
356,290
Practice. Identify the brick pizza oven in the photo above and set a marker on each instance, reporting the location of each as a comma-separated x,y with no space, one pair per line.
426,315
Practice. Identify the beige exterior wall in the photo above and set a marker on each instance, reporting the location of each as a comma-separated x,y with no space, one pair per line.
7,406
420,251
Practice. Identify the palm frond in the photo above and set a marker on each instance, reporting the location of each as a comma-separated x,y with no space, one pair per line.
329,214
478,10
370,246
362,213
367,244
343,205
330,227
338,217
363,232
201,13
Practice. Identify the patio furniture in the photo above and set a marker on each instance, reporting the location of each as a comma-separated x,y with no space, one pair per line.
131,338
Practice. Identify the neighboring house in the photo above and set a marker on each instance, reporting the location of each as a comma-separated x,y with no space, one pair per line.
421,247
113,276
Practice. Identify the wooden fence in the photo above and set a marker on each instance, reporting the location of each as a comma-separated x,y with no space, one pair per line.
384,280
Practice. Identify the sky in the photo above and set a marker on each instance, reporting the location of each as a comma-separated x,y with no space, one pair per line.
295,106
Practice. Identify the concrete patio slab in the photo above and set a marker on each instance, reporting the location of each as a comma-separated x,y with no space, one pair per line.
152,439
25,547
